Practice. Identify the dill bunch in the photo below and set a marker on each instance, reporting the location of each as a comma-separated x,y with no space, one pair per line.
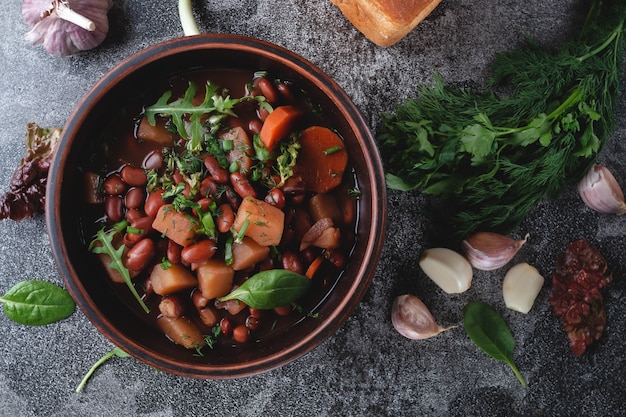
494,157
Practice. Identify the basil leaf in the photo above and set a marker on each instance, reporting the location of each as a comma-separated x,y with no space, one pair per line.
270,289
36,303
488,331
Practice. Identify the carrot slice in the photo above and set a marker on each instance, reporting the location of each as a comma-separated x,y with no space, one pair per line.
315,265
278,125
322,159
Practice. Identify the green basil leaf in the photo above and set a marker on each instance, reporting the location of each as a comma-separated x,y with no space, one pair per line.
489,331
270,289
36,303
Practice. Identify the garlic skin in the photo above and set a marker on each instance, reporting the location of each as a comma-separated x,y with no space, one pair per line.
601,192
521,286
61,37
488,251
448,269
412,319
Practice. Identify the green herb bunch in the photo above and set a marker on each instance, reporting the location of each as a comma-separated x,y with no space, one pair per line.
495,156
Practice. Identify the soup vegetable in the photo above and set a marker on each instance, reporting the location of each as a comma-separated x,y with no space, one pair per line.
226,206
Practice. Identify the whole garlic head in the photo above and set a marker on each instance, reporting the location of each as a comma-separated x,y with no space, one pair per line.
64,27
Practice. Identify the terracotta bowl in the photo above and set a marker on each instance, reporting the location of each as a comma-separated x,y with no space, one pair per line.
85,277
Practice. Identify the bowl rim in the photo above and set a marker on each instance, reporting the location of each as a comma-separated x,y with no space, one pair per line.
377,227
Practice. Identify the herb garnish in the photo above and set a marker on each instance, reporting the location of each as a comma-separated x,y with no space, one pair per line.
106,246
494,157
217,105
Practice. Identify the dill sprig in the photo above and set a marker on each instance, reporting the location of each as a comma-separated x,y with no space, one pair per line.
493,157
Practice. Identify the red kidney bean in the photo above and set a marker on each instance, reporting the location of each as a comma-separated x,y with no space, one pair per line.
134,176
226,326
135,198
143,225
265,264
241,334
154,160
114,185
254,126
173,252
130,239
114,207
219,174
292,262
134,214
177,177
335,257
232,198
225,218
154,202
205,205
208,187
268,90
171,306
241,185
140,255
252,322
285,92
294,189
283,310
308,255
262,114
255,312
276,197
199,252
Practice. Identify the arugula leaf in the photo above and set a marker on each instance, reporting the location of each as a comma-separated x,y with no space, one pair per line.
103,244
36,303
490,333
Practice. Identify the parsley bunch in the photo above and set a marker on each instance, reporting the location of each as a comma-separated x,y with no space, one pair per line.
494,157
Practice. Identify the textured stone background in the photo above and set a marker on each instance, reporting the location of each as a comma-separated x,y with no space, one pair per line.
366,368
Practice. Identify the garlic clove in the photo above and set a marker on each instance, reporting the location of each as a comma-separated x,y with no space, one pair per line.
412,319
488,251
601,192
68,26
448,269
521,286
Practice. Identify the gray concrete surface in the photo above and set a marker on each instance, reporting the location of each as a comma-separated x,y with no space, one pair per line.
366,368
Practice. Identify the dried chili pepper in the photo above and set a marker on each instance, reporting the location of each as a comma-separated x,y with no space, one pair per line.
576,298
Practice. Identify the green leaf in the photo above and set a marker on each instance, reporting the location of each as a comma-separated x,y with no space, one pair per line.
477,140
103,244
269,289
36,303
489,331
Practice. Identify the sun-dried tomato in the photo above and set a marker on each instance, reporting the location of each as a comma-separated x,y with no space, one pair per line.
576,298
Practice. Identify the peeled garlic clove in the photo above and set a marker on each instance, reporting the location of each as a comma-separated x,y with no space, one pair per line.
601,192
412,319
488,251
520,287
448,269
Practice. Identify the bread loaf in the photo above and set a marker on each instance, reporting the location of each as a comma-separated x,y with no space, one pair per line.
385,22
